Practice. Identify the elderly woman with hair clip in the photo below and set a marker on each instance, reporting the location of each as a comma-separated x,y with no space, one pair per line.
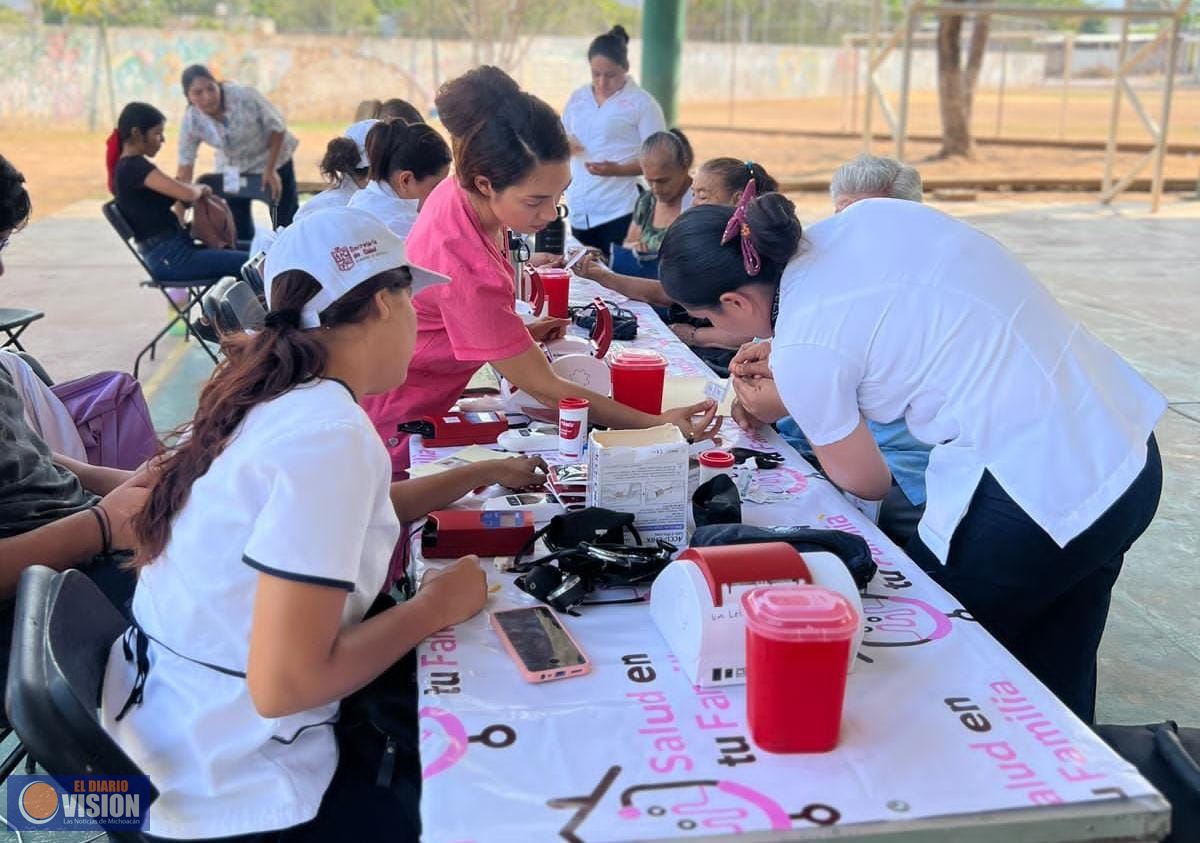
262,549
510,155
1044,468
250,136
719,181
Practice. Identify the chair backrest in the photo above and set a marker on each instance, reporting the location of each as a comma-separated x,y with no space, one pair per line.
124,230
252,274
232,306
64,626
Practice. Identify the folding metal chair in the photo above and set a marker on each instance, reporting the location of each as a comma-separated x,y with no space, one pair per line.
195,289
14,321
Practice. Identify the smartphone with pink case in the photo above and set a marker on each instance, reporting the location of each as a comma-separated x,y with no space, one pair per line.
540,644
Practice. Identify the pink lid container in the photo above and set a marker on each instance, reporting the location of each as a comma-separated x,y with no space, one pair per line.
799,613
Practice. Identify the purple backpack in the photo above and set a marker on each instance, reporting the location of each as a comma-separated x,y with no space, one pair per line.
113,420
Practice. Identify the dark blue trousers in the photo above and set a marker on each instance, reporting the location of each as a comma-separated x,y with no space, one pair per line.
1047,604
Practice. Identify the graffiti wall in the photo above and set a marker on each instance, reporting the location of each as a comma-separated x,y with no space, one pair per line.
56,74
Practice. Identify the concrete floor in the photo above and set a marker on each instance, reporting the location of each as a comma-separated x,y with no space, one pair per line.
1132,277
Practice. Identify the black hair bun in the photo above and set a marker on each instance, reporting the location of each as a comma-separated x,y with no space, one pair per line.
774,227
619,32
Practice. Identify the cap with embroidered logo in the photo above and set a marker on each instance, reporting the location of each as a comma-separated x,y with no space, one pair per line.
340,248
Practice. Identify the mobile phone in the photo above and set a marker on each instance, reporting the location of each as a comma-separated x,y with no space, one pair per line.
540,644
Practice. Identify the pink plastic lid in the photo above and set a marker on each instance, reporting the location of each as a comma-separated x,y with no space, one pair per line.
573,404
639,358
552,272
799,613
716,459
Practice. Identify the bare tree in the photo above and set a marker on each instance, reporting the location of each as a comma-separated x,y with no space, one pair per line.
494,29
956,84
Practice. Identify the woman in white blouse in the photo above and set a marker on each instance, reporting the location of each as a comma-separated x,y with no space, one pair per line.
264,545
345,167
1044,468
249,135
606,122
407,161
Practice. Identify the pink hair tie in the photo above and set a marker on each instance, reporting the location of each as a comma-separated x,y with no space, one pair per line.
738,226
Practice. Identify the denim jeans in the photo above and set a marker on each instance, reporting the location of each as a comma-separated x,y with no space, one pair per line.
1047,604
179,259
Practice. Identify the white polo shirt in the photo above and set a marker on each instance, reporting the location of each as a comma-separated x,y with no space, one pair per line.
613,131
379,199
895,309
337,196
300,492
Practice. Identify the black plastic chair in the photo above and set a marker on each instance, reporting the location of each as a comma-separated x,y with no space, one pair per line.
14,321
231,306
195,289
64,627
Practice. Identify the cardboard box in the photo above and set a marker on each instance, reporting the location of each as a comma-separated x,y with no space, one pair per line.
644,472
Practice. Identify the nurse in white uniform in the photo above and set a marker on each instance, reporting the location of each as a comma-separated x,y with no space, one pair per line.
345,167
265,539
606,122
408,160
1044,468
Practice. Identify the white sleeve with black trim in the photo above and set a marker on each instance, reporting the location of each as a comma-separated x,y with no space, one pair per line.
312,527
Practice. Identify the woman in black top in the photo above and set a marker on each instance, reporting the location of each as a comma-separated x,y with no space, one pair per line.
145,196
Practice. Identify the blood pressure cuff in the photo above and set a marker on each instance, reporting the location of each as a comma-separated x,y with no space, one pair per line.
595,525
717,502
852,550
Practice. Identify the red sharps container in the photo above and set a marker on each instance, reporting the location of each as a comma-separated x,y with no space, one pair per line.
638,378
798,640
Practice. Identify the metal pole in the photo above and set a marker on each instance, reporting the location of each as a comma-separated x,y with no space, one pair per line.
732,58
912,15
1168,89
854,58
1068,62
1114,117
662,45
869,94
1003,85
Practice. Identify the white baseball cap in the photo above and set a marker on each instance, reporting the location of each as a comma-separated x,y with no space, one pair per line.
340,248
358,134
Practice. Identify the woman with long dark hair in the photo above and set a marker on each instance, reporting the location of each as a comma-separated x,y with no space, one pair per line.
1044,468
510,155
250,136
265,539
145,196
607,121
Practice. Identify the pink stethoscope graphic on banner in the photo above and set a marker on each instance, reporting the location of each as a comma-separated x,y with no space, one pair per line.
445,739
704,806
895,621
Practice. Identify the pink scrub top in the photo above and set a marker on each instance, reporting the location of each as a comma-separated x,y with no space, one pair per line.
460,325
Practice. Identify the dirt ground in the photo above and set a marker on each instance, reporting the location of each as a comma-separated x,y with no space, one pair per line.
64,166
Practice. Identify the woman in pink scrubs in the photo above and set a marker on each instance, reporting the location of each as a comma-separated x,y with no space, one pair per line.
511,160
